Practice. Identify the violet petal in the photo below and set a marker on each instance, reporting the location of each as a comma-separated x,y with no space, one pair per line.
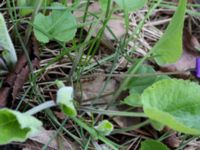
197,69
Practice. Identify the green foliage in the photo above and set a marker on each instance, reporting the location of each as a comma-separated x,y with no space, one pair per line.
157,125
169,48
16,126
65,101
131,5
30,3
104,4
153,145
60,25
138,84
134,99
6,44
174,103
104,127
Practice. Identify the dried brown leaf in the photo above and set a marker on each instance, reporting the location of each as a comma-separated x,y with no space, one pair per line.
37,142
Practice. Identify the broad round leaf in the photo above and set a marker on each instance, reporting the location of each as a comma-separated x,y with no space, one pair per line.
131,5
153,145
59,25
175,103
16,126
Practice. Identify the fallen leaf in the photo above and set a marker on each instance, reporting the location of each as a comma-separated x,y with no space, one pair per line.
116,23
37,142
90,90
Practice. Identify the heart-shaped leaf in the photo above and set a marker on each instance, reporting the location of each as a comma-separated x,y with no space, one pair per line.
16,126
174,103
169,48
59,25
65,101
153,145
131,5
6,45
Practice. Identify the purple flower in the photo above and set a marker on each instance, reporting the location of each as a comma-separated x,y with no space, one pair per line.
197,69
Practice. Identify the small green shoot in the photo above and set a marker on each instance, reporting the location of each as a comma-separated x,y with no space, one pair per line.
65,99
105,127
6,44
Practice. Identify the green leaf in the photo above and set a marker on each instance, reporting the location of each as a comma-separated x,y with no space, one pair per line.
104,4
59,25
174,103
138,84
6,44
65,101
153,145
16,126
29,3
157,125
105,127
169,48
134,99
131,5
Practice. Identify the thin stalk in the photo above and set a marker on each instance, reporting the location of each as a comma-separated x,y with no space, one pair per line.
41,107
54,136
113,113
29,29
131,128
95,134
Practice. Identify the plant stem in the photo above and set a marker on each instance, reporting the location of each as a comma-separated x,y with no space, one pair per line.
95,134
113,113
41,107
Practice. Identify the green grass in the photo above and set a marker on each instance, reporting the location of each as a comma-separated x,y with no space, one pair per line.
71,62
